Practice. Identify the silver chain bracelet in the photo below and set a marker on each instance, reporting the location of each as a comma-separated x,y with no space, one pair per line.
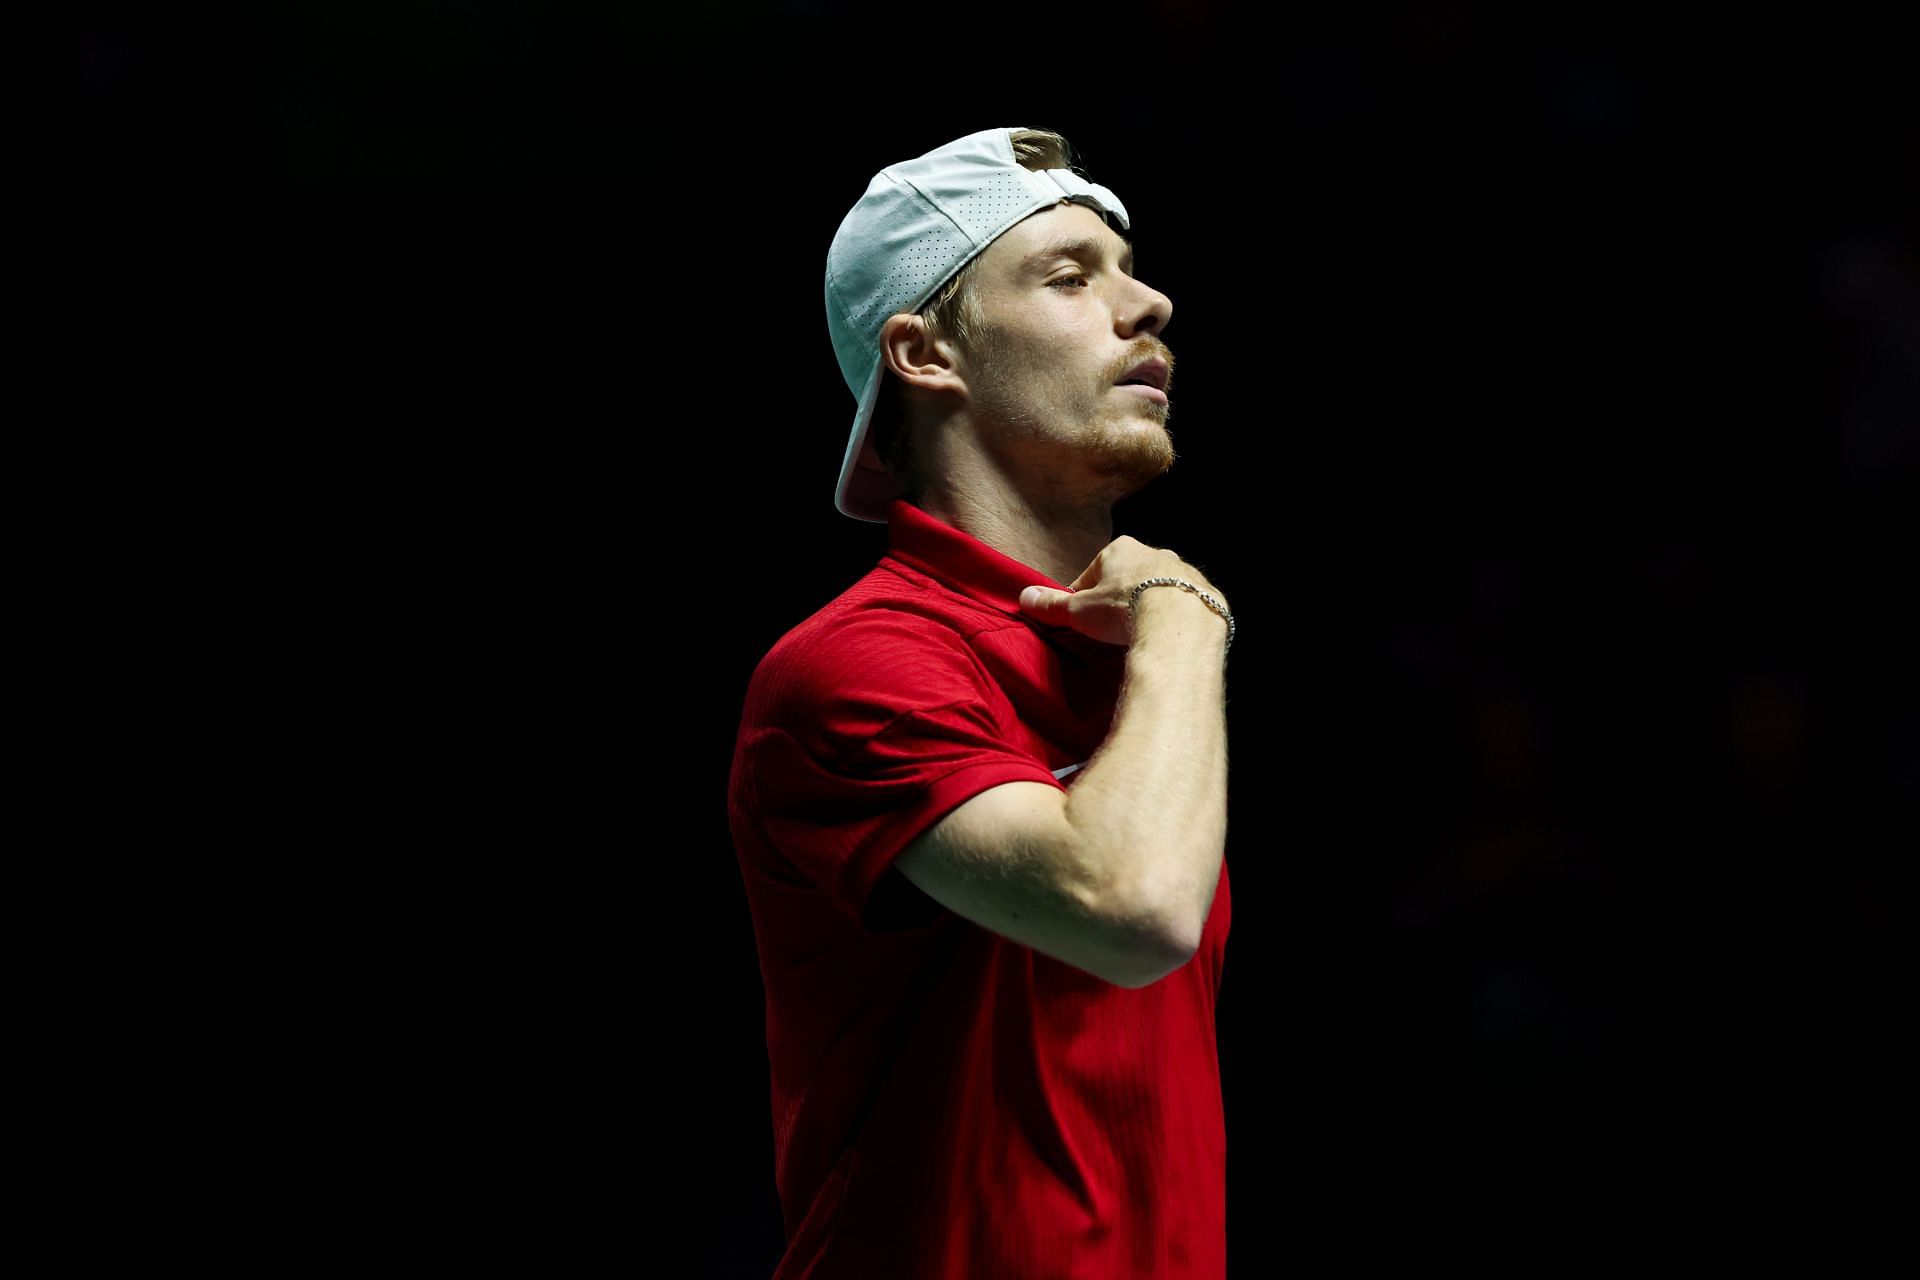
1205,597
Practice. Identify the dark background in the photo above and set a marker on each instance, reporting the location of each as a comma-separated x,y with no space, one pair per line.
1547,408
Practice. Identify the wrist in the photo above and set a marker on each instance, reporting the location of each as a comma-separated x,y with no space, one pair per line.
1170,586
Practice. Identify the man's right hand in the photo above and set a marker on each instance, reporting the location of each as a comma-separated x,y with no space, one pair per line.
1097,602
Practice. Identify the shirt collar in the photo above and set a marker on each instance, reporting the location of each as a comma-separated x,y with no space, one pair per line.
960,561
967,566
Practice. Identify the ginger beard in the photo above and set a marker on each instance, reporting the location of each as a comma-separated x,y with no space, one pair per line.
1054,417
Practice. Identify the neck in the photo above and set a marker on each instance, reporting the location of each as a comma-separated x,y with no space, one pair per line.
1059,538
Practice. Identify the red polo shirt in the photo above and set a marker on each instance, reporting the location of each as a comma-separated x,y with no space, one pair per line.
946,1102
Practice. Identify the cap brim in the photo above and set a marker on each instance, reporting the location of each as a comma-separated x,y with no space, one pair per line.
866,487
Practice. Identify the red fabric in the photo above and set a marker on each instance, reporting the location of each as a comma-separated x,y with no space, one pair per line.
947,1102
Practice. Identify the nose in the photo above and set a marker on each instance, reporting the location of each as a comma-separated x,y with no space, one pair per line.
1147,310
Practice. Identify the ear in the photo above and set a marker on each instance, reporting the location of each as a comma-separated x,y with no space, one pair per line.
920,361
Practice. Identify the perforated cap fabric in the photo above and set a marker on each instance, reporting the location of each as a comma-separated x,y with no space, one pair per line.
919,222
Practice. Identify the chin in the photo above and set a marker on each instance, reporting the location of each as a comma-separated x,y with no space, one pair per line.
1143,457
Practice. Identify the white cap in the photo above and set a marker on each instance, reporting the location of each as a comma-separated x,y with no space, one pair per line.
919,223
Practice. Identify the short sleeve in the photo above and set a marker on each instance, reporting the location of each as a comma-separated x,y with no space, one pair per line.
864,740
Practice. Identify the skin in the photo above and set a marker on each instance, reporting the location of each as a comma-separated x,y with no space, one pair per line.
1029,443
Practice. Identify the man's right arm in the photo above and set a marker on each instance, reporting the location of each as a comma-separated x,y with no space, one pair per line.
1150,808
1115,877
1008,860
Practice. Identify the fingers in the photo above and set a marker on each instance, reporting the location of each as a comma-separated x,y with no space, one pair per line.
1091,575
1045,603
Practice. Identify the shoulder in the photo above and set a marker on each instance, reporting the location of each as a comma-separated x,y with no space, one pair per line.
867,661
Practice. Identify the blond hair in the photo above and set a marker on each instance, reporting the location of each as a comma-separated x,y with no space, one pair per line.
952,314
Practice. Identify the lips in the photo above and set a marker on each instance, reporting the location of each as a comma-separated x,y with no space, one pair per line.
1152,373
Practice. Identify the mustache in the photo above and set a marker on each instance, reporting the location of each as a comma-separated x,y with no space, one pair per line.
1155,350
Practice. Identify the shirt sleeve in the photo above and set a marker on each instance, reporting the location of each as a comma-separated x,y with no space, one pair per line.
868,738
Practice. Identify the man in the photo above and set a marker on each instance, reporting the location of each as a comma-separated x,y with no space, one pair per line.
979,799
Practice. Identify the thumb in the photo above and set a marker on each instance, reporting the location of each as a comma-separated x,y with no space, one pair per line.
1045,603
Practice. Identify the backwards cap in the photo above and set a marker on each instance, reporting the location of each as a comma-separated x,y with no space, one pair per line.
919,222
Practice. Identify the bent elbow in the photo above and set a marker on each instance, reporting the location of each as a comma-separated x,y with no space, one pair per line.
1153,965
1157,952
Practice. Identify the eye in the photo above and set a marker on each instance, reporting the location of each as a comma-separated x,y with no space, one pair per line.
1066,279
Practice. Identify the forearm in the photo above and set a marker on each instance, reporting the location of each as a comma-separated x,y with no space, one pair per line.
1150,808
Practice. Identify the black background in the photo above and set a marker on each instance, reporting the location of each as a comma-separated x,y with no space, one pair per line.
1547,409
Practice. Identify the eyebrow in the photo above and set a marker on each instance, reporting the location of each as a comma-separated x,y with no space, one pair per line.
1080,247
